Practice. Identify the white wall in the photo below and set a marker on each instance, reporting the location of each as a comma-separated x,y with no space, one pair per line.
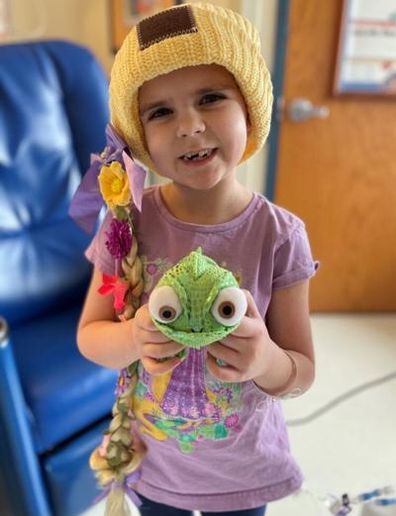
263,14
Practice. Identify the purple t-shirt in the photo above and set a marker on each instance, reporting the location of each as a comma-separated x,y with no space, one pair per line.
214,446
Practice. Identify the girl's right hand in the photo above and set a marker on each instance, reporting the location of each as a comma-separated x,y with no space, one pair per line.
156,351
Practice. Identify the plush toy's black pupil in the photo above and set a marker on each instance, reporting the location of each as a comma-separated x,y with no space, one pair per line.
167,313
227,309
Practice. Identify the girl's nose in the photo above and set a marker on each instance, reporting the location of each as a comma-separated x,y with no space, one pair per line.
190,124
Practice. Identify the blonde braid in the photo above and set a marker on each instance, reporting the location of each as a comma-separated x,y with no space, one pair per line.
133,272
120,455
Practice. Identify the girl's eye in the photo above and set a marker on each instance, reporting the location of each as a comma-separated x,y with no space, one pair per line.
159,113
230,306
209,98
164,305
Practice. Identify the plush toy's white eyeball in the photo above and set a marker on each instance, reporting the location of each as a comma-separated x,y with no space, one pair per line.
164,305
230,306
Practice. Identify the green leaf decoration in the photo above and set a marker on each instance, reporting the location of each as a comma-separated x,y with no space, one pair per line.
121,213
220,432
207,432
186,447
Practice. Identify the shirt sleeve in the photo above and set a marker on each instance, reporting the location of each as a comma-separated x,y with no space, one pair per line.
97,252
293,260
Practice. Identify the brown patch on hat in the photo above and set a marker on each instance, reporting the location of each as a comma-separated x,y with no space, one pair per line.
166,24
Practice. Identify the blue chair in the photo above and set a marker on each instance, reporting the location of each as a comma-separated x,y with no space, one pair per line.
54,404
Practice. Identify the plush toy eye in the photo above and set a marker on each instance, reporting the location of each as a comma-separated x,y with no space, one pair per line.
229,306
164,305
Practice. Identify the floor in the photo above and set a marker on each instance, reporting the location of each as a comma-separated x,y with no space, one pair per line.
343,430
351,447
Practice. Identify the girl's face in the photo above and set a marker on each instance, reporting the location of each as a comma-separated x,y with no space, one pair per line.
195,125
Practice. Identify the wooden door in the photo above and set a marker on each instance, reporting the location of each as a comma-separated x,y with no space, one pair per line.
339,174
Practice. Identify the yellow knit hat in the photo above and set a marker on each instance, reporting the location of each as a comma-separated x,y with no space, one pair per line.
189,35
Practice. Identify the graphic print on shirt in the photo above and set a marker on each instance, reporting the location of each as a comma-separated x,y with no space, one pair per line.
187,404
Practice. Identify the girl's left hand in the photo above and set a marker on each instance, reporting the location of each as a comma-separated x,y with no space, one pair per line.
246,351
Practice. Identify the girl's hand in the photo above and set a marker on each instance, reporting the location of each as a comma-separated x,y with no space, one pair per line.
246,351
156,351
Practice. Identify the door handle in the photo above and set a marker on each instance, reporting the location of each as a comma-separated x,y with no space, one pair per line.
301,109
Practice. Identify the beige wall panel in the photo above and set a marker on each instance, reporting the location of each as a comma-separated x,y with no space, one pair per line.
84,22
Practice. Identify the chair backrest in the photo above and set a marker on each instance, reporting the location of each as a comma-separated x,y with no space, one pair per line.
53,112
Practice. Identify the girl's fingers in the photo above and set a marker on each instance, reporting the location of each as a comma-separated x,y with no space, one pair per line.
252,310
248,327
225,373
163,350
143,319
223,352
155,337
233,342
156,368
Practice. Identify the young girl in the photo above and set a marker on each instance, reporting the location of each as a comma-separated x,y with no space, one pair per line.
191,98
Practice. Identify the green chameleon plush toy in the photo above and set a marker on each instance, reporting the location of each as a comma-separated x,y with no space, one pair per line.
197,302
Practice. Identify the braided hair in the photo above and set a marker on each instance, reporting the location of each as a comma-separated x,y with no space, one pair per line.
120,454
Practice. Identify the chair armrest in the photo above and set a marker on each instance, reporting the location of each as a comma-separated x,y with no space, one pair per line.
18,436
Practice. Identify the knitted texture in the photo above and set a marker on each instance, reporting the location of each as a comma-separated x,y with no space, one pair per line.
189,35
196,283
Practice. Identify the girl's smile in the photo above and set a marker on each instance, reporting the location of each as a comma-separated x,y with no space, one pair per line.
198,158
198,155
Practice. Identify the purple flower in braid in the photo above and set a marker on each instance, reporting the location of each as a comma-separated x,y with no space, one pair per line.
119,238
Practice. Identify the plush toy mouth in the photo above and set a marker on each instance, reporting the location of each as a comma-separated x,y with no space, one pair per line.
193,339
